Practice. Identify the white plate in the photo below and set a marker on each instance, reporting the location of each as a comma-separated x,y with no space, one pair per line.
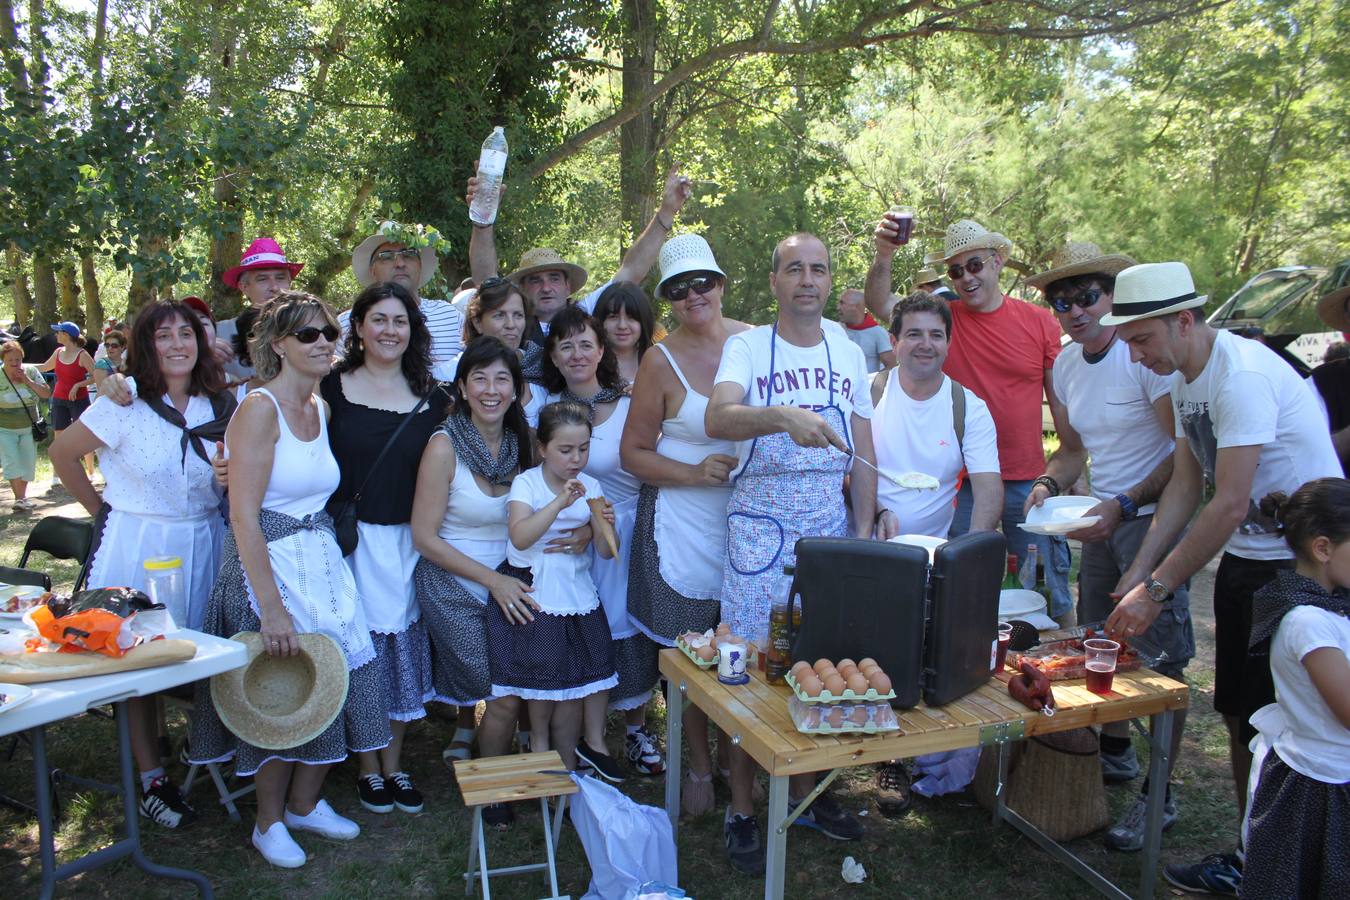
23,590
928,542
14,695
1065,527
1061,515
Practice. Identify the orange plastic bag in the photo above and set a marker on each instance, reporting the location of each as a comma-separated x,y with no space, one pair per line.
92,630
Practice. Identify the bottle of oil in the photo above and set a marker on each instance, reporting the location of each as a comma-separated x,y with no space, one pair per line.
779,655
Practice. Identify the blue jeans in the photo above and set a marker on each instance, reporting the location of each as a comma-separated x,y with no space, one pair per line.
1053,551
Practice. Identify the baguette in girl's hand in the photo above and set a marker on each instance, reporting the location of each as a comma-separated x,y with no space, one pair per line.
602,514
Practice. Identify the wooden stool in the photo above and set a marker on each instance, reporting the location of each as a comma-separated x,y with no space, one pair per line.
504,779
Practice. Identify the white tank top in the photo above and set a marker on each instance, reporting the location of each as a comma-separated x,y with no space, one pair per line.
471,514
684,438
304,473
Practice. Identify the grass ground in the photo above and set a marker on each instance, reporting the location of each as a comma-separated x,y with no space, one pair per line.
942,848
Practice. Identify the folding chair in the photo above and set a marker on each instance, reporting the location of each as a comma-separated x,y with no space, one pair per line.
61,538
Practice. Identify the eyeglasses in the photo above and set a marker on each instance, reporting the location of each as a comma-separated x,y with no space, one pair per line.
699,284
407,253
309,334
1083,300
974,267
112,346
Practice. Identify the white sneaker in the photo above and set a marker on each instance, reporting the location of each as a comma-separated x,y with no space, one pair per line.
323,820
278,848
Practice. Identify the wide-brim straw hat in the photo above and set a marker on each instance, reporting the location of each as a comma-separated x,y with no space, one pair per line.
264,253
546,259
1152,289
926,275
967,234
280,702
365,252
686,253
1080,258
1331,308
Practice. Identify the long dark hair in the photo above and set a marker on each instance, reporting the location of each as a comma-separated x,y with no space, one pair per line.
243,327
632,299
569,321
142,362
484,351
416,360
1321,508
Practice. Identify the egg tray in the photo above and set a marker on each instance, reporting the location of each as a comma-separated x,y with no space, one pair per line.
688,651
871,696
812,719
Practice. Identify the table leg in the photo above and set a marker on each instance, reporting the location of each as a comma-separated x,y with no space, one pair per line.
472,864
1160,746
775,832
674,750
42,784
1001,783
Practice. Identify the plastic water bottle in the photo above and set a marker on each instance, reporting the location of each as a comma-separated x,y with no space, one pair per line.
491,168
1028,571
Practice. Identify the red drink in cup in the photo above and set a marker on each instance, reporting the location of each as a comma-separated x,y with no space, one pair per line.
1004,639
1099,677
903,219
1099,658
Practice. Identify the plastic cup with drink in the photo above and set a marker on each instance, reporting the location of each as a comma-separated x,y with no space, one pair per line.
902,217
1004,639
1099,659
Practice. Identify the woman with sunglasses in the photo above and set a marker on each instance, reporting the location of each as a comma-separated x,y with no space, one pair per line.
498,309
283,573
630,326
383,374
115,346
679,535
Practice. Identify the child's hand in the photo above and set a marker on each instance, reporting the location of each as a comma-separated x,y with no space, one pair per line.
572,491
608,513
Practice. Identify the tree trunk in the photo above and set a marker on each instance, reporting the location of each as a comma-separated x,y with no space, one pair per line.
44,294
93,303
70,295
18,287
227,243
143,288
637,136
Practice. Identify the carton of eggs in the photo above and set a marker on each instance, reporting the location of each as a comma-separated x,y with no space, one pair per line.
843,718
702,647
825,682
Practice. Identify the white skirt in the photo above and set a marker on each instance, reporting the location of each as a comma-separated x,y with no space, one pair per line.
383,564
129,539
611,575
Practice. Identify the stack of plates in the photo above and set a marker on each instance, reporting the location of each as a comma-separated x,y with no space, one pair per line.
1061,515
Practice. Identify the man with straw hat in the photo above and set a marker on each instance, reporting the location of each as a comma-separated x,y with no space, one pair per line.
1003,349
1332,379
262,273
1117,413
929,281
1246,424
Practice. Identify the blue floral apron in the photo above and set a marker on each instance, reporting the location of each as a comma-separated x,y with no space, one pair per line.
783,492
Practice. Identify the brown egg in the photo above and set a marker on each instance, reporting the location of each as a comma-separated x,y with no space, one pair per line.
826,673
857,683
848,670
812,719
858,716
835,718
867,662
799,668
846,663
881,682
835,684
811,685
705,653
867,666
822,664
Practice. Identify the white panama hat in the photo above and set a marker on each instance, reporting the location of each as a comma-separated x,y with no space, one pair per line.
967,234
1152,289
686,253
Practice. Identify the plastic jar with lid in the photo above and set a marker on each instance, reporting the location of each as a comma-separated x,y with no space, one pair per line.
165,583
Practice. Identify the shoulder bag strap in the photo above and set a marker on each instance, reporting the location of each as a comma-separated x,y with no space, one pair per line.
389,443
19,395
959,413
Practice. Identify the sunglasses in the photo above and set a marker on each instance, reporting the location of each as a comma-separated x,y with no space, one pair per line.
407,253
112,346
699,284
974,267
1083,300
309,334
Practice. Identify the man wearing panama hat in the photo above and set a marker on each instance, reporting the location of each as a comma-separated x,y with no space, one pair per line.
1246,424
1118,414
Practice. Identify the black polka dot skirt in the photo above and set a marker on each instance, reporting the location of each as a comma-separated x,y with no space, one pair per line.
456,624
1297,844
551,658
635,660
657,609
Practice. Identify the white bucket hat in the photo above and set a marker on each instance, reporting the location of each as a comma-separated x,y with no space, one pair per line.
389,234
686,253
1152,289
1080,258
967,234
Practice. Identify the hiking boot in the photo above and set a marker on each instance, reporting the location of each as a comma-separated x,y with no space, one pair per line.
829,818
893,791
606,766
1120,767
1218,873
405,796
745,851
640,748
163,804
498,816
1127,835
375,795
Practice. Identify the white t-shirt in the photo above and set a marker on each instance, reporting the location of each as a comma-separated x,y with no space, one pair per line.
1317,744
873,342
1246,396
920,436
562,581
447,333
1110,404
810,377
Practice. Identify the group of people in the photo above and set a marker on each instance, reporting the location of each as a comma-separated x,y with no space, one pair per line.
548,488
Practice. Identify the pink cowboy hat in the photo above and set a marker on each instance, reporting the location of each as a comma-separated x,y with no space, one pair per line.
264,253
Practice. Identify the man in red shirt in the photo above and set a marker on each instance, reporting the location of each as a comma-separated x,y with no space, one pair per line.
1003,349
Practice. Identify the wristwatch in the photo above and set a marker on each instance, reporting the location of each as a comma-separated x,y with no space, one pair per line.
1157,591
1127,508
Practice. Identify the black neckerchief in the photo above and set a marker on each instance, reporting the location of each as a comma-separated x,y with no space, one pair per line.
604,395
471,447
1289,589
222,408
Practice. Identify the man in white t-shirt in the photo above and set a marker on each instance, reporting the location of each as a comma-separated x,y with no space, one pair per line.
1248,425
1110,409
864,331
795,397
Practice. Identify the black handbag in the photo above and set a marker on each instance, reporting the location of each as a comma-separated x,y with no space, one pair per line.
39,426
344,523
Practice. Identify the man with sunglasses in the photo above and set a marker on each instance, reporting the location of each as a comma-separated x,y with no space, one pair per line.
1114,412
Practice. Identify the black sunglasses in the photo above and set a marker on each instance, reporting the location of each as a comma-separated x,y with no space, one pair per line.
699,284
974,267
309,334
1083,299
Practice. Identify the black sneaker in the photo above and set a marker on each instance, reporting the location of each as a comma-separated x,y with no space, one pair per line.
640,748
745,851
375,796
163,804
827,817
604,765
406,797
894,796
498,816
1218,873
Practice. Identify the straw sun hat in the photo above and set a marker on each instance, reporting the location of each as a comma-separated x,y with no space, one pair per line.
1152,289
284,701
967,234
686,253
546,259
1080,258
1332,309
424,240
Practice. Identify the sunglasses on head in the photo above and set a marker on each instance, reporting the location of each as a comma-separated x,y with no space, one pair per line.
309,334
699,284
407,253
974,266
1082,299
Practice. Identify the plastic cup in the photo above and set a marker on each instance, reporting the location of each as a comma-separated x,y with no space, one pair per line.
1004,639
1100,662
903,217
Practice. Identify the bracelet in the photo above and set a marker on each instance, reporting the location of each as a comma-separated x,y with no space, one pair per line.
880,512
657,217
1048,483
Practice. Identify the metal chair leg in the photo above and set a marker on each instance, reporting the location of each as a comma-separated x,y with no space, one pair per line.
469,873
551,833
